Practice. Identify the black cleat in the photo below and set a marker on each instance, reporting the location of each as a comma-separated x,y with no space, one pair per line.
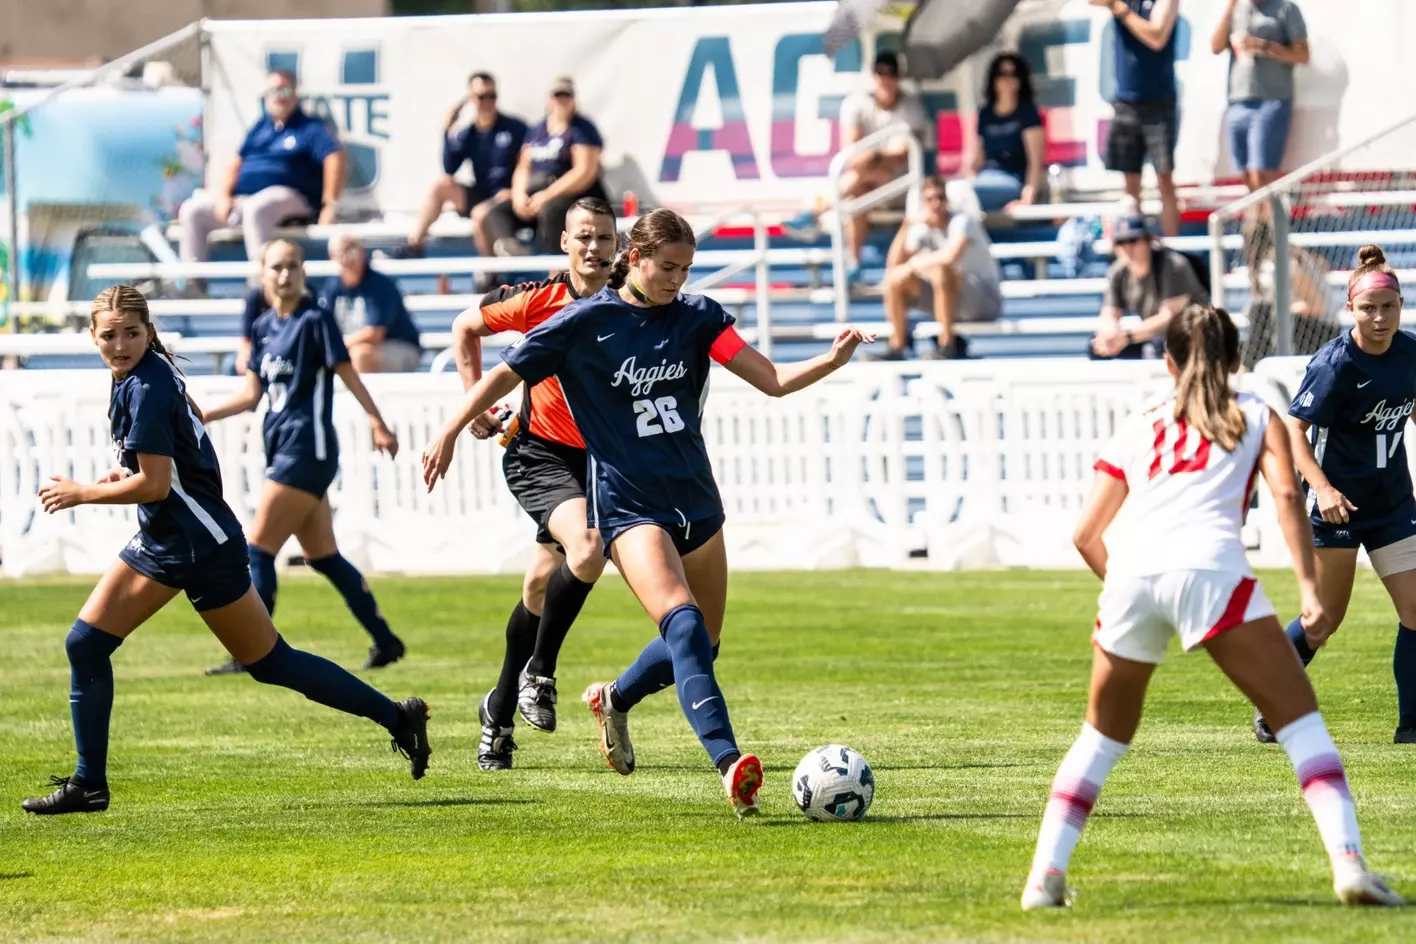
1262,732
411,737
536,701
1405,735
494,750
229,667
70,797
378,658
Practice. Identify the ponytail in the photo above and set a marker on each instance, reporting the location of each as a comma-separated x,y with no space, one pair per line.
619,273
1204,344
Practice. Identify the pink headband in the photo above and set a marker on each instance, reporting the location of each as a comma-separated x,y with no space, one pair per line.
1373,282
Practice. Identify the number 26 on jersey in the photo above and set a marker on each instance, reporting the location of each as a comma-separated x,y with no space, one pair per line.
657,416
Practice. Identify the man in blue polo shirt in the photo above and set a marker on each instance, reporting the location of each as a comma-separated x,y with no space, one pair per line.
290,166
369,309
491,143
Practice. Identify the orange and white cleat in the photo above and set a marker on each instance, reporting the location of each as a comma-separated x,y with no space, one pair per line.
614,727
742,781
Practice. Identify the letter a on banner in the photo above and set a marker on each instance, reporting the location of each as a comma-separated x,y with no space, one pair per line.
732,135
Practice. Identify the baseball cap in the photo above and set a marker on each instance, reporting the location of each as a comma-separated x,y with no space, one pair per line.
562,85
1129,229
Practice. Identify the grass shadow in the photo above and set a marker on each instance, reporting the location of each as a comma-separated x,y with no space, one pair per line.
456,801
8,876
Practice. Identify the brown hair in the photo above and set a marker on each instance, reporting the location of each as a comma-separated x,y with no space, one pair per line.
1369,259
648,233
1204,344
594,206
124,299
280,240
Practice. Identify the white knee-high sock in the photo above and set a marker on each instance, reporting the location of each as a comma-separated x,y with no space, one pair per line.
1074,791
1324,782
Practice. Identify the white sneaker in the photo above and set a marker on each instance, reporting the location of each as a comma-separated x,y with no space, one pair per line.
1354,885
742,781
1049,891
614,728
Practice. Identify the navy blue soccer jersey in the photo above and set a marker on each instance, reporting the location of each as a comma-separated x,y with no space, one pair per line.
1358,405
635,381
295,359
148,413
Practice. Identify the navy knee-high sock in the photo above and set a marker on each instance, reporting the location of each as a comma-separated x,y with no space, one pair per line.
1403,666
263,575
652,672
1300,641
322,681
699,696
360,600
520,640
91,699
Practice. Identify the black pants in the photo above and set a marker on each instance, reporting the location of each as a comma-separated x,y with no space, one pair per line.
502,220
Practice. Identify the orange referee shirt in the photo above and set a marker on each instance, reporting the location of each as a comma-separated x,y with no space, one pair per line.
522,307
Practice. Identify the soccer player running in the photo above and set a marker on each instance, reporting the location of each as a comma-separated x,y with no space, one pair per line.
652,496
1186,465
188,540
1347,422
295,347
545,465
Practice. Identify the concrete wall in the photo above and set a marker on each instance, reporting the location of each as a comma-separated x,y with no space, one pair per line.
79,31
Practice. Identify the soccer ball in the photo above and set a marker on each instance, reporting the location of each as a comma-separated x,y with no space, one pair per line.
833,784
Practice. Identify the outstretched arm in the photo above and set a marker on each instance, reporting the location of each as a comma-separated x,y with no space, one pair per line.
243,402
498,382
778,380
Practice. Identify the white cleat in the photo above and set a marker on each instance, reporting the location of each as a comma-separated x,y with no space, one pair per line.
1354,885
1049,891
614,728
742,781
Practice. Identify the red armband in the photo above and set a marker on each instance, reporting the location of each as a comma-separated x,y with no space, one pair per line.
727,346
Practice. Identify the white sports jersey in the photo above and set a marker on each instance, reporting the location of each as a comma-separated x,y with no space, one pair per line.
1187,497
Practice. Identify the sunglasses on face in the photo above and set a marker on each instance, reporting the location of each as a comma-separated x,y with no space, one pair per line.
281,92
485,96
1126,242
562,96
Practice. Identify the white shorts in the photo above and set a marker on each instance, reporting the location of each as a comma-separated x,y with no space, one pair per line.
1137,615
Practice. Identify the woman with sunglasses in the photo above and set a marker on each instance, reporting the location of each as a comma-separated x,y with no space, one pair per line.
559,164
295,347
1006,157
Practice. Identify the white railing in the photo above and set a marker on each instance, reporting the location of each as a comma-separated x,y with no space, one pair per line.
842,208
976,464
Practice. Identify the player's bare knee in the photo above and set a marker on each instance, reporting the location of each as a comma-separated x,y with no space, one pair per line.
586,556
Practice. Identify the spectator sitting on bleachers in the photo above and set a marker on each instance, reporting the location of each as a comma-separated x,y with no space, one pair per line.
369,309
1147,280
290,166
1005,158
559,164
492,144
862,114
939,263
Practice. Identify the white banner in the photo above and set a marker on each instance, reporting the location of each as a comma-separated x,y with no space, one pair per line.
721,105
977,464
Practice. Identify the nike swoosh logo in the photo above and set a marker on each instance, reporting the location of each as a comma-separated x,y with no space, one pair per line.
700,704
599,338
1361,385
89,794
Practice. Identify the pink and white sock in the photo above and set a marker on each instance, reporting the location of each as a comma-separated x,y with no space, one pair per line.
1324,783
1074,791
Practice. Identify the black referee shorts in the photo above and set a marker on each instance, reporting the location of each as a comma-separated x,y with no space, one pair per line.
542,475
1143,130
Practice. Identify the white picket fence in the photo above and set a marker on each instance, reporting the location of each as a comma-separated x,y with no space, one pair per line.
946,465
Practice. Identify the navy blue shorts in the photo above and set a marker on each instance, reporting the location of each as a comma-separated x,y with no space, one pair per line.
1258,132
1373,535
688,536
219,579
306,473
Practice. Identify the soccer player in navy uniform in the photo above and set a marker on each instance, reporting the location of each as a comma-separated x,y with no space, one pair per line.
1349,422
188,540
633,363
296,351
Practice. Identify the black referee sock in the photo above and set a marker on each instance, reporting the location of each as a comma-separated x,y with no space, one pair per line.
520,640
565,596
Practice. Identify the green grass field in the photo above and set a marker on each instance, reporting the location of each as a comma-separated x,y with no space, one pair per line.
242,812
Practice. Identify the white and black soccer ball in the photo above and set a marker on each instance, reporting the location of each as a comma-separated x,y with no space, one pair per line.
833,784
